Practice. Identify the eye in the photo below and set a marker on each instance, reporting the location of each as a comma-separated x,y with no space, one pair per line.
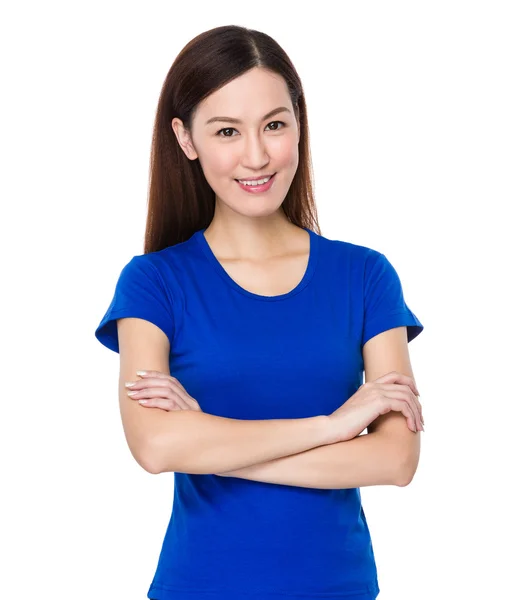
233,129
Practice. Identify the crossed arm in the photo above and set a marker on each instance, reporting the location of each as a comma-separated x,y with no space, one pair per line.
387,455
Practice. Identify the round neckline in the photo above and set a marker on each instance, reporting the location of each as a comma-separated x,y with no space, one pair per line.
306,278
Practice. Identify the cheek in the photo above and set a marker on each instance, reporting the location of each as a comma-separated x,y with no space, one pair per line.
285,151
217,161
223,163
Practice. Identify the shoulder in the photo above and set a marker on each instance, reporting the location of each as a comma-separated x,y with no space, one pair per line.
140,270
169,258
358,254
164,266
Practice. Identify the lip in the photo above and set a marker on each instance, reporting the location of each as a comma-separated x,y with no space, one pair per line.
257,189
255,178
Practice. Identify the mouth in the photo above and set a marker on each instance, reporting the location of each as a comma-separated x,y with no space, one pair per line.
252,188
256,178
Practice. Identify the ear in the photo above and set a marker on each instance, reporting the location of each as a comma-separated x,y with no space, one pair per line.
184,138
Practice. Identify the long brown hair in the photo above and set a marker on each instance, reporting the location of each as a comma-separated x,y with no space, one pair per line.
180,200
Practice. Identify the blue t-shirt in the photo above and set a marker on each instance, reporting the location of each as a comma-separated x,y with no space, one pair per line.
246,356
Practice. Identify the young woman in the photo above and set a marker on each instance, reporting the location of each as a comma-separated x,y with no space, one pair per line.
243,336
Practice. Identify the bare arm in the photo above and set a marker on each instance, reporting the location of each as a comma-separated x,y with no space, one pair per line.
371,459
196,442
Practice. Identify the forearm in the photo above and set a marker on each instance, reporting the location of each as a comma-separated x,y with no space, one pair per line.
200,443
370,459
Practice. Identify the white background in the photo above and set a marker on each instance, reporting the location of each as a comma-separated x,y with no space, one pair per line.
411,114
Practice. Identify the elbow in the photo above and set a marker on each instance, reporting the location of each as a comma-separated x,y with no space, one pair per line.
153,462
405,477
406,468
146,457
166,451
151,467
157,456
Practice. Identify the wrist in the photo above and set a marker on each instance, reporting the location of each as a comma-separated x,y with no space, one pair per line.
326,430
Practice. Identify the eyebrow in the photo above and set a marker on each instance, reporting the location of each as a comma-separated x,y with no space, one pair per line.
232,120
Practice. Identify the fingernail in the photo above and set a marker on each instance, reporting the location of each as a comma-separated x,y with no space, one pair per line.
143,401
133,393
140,373
129,383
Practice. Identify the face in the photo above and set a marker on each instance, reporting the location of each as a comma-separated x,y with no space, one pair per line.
250,145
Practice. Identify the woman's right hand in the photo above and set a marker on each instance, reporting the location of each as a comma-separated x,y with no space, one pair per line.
393,391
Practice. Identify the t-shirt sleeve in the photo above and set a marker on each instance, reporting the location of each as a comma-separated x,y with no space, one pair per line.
140,292
385,307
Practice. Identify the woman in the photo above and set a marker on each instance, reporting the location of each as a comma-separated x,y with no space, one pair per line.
253,332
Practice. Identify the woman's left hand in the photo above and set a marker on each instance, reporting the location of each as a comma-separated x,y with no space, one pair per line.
158,390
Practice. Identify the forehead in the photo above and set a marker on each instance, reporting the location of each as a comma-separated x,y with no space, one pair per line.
248,97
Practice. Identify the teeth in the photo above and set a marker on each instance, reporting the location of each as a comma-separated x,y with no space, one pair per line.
258,182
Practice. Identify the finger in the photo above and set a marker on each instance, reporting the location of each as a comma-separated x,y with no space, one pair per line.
184,399
411,399
167,382
140,384
416,400
419,407
145,374
407,411
416,410
390,403
392,399
149,382
410,396
162,403
164,393
164,380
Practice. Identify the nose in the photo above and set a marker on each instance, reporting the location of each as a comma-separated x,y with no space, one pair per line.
255,154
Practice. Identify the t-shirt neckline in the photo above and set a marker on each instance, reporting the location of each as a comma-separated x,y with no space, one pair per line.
308,274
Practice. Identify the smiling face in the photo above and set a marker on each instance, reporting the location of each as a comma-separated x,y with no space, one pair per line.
245,129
